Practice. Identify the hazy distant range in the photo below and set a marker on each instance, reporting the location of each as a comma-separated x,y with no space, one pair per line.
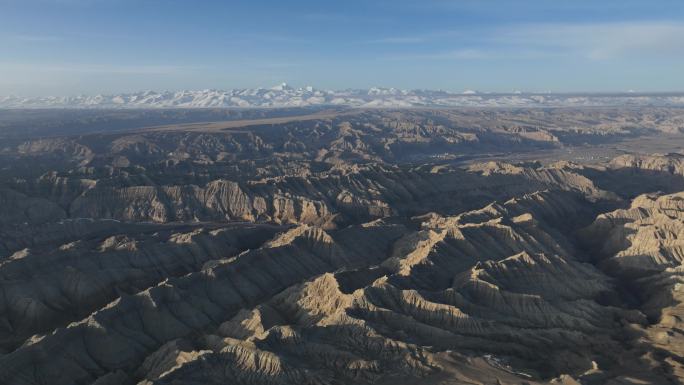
287,96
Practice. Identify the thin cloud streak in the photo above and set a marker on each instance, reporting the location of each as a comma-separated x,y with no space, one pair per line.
589,41
600,41
459,54
35,38
100,69
398,40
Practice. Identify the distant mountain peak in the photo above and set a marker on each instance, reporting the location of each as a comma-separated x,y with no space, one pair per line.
282,87
284,95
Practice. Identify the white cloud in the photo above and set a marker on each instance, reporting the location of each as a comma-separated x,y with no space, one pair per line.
600,41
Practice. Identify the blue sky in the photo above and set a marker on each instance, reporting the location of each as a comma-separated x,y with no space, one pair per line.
65,47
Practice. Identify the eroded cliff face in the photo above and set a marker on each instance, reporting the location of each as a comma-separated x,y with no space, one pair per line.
44,287
643,246
498,290
322,252
338,197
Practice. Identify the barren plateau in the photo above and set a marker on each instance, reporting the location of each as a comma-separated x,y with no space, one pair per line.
342,245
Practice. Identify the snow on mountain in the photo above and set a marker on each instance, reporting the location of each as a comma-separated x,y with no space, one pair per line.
284,95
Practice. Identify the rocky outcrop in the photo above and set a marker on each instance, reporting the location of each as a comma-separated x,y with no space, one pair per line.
175,308
644,238
488,281
642,246
345,247
329,199
218,200
671,163
45,289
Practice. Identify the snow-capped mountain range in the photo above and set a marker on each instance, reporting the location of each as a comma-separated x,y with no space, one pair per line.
286,96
